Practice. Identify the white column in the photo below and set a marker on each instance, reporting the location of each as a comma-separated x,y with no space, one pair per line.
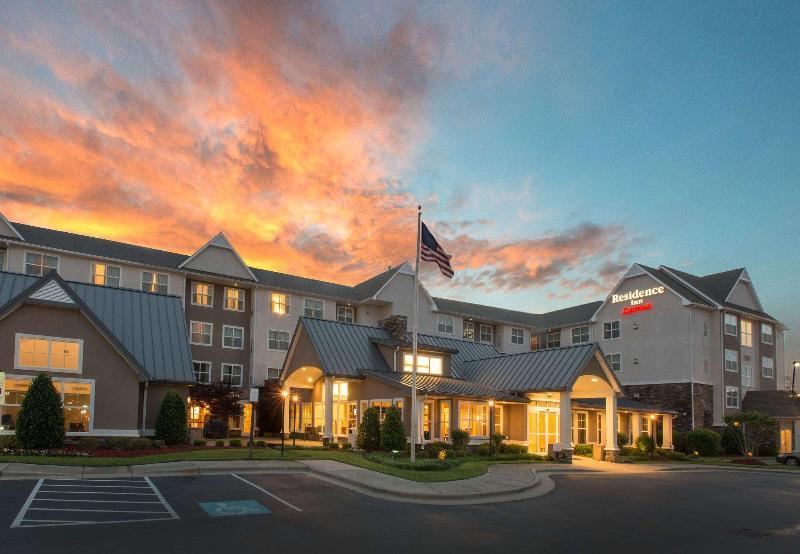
565,420
666,433
286,418
525,421
327,395
796,435
611,422
636,418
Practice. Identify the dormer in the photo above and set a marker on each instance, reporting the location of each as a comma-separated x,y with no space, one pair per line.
218,257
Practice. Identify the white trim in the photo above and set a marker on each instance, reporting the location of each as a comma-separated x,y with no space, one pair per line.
18,336
226,246
13,229
619,336
452,325
155,274
738,396
222,375
225,299
609,363
316,300
25,262
210,370
211,334
511,336
223,337
92,264
278,349
610,373
192,294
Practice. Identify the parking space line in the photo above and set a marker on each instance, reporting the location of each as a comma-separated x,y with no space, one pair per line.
265,491
21,515
100,501
103,511
98,492
161,498
100,486
59,522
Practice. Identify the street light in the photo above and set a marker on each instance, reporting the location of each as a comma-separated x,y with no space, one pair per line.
284,396
295,398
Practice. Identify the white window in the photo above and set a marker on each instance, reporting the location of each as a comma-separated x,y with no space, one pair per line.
473,417
731,397
232,374
611,330
767,367
273,373
469,330
747,376
55,354
582,427
731,360
731,325
517,335
340,391
345,314
234,299
200,332
278,340
645,425
580,335
202,372
425,364
487,333
105,275
445,324
600,437
767,336
40,264
312,308
615,361
77,398
553,339
747,333
232,337
3,256
155,282
279,303
202,294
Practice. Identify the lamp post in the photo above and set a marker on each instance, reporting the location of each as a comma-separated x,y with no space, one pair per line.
284,396
795,365
294,421
653,433
491,427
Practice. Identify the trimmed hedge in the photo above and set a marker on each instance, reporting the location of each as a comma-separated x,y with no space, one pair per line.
40,422
460,438
703,441
393,435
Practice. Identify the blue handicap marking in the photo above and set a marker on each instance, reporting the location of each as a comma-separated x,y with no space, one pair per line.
233,508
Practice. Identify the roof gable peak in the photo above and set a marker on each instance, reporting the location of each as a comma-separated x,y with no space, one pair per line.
205,261
7,229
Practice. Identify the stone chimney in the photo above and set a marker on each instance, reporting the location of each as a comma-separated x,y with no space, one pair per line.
397,325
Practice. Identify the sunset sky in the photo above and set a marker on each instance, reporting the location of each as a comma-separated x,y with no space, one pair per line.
550,144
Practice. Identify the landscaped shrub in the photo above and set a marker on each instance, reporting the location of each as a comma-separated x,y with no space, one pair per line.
393,435
515,449
646,444
261,444
460,438
622,440
369,432
89,443
676,456
497,440
215,429
200,442
583,450
40,421
8,441
347,446
235,442
483,450
703,441
427,464
219,443
171,424
755,433
157,443
679,439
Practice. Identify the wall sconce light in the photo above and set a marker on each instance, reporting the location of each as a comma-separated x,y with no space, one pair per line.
636,361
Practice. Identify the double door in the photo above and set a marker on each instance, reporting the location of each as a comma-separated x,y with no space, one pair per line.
542,428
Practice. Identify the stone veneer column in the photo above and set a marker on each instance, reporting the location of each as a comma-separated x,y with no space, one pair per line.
666,432
327,395
565,426
611,453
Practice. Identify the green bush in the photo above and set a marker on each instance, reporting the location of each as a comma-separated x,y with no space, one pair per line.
497,440
333,445
646,444
427,464
393,435
200,442
622,440
171,424
704,441
369,432
261,444
219,442
40,421
482,450
235,442
157,443
88,443
141,444
515,449
8,441
460,438
583,450
676,456
347,446
679,439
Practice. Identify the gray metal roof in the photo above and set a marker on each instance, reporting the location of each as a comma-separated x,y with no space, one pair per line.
464,350
370,287
344,349
717,285
581,313
774,403
435,384
303,285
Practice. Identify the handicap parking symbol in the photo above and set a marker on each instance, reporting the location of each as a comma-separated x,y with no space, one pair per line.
233,508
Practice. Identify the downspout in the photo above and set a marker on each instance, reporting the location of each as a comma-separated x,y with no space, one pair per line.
394,363
691,366
144,408
722,365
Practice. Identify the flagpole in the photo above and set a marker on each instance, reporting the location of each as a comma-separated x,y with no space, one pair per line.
414,331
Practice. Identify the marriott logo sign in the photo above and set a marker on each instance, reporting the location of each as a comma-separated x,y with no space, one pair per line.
636,296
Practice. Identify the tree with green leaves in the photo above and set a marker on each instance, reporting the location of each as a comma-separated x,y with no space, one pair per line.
752,431
171,421
393,434
40,421
369,432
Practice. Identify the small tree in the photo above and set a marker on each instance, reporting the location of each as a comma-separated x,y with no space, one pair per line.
171,425
393,434
646,444
369,432
220,399
459,438
752,431
40,422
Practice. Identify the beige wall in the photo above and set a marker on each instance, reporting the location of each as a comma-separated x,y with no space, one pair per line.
155,395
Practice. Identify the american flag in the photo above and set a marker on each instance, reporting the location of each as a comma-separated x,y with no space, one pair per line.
430,251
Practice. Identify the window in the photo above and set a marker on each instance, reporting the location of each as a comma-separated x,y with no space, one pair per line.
767,367
345,314
234,299
278,340
731,397
599,427
498,418
580,335
553,339
155,282
202,372
645,425
487,333
340,391
3,255
445,324
232,337
39,264
76,397
581,429
202,294
232,374
105,275
731,360
312,308
425,364
747,376
473,418
767,336
534,342
383,406
517,335
279,303
201,333
747,333
469,330
444,419
615,361
731,325
49,353
273,373
611,330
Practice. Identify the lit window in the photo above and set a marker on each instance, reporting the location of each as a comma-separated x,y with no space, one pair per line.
445,324
731,360
767,335
234,299
469,330
487,333
615,361
202,294
39,264
273,373
312,308
747,333
600,437
534,342
201,333
645,425
202,372
155,282
747,376
232,337
611,330
340,391
473,418
425,364
76,399
279,303
580,335
345,314
105,275
517,335
278,340
731,325
554,339
48,353
767,367
232,374
731,397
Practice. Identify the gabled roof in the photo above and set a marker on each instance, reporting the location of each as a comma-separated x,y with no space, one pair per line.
774,403
7,229
676,286
479,311
220,241
581,313
716,286
302,285
369,288
435,384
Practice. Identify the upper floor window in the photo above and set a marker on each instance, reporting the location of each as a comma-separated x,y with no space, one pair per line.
747,333
469,330
731,325
278,340
202,294
3,256
517,335
313,308
767,367
232,374
445,325
39,264
611,330
425,364
340,391
747,376
202,371
273,373
580,335
487,333
615,361
731,360
155,282
105,275
51,353
232,337
345,314
767,336
234,299
279,303
535,342
731,397
553,339
201,332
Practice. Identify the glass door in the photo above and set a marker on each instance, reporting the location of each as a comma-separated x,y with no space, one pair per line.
427,421
444,420
542,427
786,440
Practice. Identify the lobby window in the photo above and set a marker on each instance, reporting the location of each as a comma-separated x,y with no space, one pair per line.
487,333
340,391
232,337
278,340
155,282
473,417
600,437
234,299
767,335
39,264
580,335
615,361
554,339
517,335
747,376
345,314
3,257
51,353
202,371
747,333
731,325
731,397
312,308
767,367
469,330
105,275
611,330
201,333
202,294
731,360
76,399
279,303
445,324
425,364
273,373
232,374
534,342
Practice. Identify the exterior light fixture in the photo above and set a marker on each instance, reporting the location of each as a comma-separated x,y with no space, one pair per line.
491,403
284,393
295,398
594,379
652,416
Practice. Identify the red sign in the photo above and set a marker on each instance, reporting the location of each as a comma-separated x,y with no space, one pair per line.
628,310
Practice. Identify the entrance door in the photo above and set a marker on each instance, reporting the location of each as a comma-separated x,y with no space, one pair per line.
786,439
542,428
427,421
